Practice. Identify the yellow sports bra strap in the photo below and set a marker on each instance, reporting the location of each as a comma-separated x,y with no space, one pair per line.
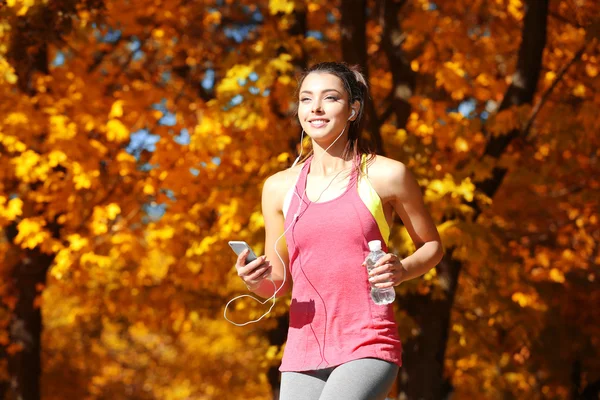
372,200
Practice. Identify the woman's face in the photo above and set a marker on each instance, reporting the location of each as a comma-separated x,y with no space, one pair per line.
323,108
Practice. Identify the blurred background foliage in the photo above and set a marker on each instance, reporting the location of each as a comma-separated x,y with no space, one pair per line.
135,136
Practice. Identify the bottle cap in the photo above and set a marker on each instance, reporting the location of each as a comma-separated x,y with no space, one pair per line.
375,245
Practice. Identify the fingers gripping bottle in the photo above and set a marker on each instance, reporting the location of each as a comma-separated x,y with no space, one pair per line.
379,296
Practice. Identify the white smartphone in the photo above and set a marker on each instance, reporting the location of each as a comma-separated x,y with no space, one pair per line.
238,246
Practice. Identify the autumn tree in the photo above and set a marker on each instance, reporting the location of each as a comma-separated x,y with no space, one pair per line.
135,138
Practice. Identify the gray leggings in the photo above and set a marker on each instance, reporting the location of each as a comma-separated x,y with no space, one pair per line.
364,379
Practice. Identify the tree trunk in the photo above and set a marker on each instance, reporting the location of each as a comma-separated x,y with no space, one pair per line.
24,365
28,52
403,77
422,376
353,25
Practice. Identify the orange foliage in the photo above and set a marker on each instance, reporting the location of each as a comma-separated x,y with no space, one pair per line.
143,149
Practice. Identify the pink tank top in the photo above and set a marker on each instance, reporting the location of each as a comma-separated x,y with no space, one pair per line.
332,317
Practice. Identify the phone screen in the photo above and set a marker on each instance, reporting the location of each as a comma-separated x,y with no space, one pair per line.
238,246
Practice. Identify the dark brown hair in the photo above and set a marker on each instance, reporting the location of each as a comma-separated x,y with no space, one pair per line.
357,89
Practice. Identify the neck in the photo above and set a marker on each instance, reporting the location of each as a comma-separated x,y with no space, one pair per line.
328,159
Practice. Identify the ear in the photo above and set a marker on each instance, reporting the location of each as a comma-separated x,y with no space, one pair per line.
354,112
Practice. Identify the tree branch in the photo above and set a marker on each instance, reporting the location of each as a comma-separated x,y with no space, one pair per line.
546,94
523,86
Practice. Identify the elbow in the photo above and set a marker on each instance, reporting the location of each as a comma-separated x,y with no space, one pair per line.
439,252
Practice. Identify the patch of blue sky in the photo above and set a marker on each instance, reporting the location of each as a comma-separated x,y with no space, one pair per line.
257,16
253,76
135,47
134,44
140,141
216,161
467,107
315,34
331,18
154,211
240,33
167,119
236,100
112,35
254,90
242,81
194,171
162,106
266,92
479,31
183,138
432,6
145,167
209,79
170,194
165,76
59,59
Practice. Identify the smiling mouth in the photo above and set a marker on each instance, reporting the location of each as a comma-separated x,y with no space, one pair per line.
318,122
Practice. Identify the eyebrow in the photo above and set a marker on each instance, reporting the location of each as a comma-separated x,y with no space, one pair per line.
324,91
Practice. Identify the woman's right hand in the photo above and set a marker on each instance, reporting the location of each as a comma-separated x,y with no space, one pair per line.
254,272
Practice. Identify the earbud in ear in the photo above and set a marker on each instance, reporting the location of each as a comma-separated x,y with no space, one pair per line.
352,114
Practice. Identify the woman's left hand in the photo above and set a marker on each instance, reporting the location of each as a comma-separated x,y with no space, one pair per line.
388,272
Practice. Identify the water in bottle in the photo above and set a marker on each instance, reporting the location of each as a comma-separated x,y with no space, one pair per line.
379,296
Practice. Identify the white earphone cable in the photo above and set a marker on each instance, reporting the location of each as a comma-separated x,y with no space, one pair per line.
296,216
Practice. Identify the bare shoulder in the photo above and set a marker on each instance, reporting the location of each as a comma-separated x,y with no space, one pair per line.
391,178
388,171
277,185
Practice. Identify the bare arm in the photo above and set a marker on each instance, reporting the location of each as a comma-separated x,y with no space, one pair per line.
405,195
420,226
254,273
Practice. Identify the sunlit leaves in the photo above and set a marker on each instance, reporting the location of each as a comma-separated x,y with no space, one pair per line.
32,232
284,6
144,147
10,209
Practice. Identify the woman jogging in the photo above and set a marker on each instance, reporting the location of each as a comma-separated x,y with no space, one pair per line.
340,345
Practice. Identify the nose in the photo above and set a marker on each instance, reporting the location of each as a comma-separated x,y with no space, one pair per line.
316,108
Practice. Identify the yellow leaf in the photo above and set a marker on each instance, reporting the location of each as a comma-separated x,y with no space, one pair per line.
56,157
16,118
461,145
284,6
148,189
158,33
543,259
116,131
557,276
12,210
520,298
31,233
579,90
116,110
7,73
61,128
77,242
112,210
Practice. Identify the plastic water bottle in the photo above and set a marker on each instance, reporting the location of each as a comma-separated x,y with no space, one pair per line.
379,296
